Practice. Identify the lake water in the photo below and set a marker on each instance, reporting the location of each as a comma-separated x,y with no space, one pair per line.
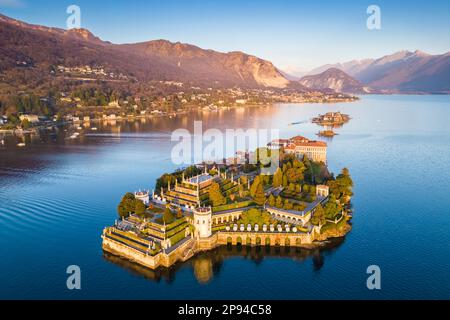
57,195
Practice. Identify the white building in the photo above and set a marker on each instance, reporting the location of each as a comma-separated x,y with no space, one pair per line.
143,196
322,190
202,222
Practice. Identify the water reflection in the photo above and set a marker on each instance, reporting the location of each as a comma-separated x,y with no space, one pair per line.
206,266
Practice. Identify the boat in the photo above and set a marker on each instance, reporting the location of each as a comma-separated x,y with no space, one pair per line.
21,145
94,129
295,123
75,135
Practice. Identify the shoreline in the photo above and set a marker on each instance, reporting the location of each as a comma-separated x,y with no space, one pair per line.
195,247
53,125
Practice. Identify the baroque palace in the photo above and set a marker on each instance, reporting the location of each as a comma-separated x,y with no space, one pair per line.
210,208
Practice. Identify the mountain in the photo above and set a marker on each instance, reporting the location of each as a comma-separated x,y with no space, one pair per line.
209,65
404,71
336,80
351,68
33,45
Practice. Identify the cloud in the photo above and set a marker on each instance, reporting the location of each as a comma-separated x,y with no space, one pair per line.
12,3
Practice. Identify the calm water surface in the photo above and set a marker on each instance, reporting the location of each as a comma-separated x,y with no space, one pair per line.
57,195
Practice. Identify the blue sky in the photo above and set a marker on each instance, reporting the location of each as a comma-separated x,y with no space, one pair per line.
295,35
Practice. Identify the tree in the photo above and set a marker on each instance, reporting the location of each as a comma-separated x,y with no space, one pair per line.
288,205
279,202
285,181
255,216
179,213
216,196
139,207
260,196
241,191
292,187
168,216
294,175
318,218
127,205
278,178
243,180
332,208
341,188
272,201
254,186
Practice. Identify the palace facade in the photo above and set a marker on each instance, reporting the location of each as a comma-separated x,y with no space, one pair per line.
314,150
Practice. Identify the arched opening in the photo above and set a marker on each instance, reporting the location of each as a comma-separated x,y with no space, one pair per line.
267,241
277,242
287,242
258,241
298,242
239,241
248,241
229,241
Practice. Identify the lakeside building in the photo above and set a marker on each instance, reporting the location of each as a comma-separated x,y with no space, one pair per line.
331,118
190,192
180,222
314,150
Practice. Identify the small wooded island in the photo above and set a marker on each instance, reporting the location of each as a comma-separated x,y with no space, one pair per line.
208,205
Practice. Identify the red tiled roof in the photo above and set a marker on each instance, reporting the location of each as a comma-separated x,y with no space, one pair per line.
299,141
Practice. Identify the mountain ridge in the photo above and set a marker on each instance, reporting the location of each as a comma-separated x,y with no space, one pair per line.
150,60
336,80
403,71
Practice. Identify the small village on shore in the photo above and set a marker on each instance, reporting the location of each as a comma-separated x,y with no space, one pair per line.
208,205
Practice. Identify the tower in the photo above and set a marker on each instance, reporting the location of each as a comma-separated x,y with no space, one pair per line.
202,222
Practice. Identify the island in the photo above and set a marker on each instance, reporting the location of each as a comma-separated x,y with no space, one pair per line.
332,119
327,133
233,203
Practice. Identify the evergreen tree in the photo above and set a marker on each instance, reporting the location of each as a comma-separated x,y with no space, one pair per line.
279,202
254,186
139,207
272,201
278,178
168,216
318,218
259,197
216,196
127,205
285,181
332,209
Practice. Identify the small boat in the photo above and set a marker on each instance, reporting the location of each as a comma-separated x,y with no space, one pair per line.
79,128
21,145
94,129
295,123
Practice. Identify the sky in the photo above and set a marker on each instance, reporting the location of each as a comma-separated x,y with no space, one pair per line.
296,35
